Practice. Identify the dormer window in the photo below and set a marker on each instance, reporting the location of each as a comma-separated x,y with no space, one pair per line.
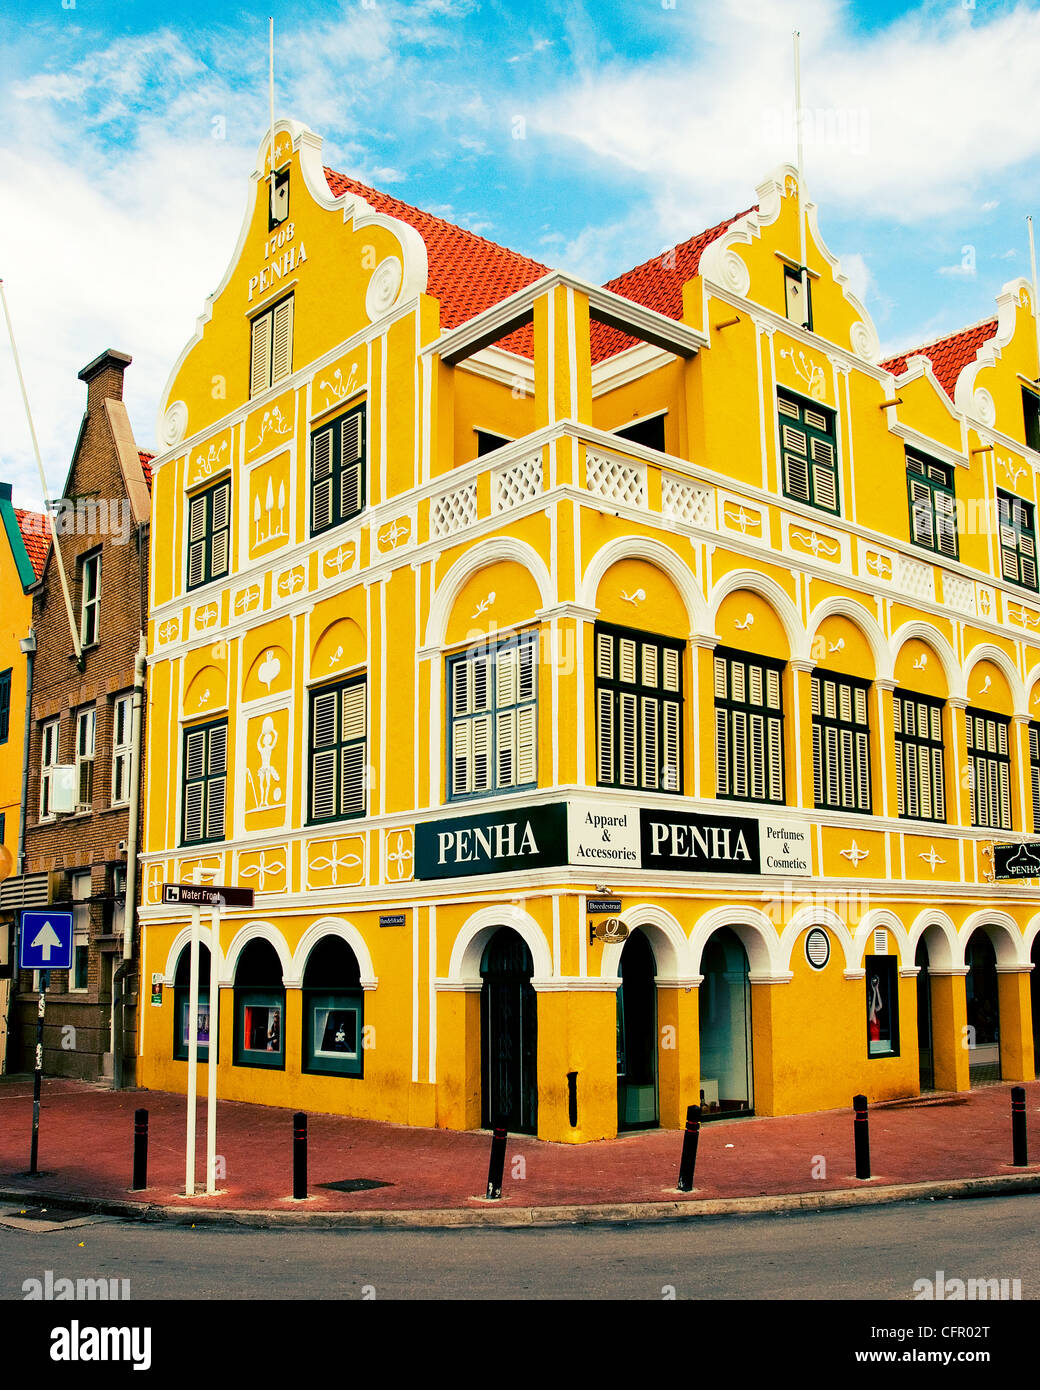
279,209
797,297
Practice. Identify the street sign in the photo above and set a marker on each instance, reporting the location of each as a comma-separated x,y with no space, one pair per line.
46,941
603,905
206,895
391,919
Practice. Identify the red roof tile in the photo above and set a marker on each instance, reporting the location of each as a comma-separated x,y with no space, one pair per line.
36,536
146,465
468,273
948,356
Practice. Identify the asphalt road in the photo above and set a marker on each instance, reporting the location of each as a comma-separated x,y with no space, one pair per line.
875,1253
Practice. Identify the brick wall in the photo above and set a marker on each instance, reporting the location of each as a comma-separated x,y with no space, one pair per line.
88,841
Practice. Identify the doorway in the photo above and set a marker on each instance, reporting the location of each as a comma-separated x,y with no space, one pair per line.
1034,994
725,1028
508,1035
983,1010
637,1036
925,1050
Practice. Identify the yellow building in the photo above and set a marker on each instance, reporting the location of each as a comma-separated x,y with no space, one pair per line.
615,696
24,542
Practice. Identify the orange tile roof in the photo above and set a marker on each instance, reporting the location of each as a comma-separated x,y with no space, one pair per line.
948,356
36,536
146,465
468,273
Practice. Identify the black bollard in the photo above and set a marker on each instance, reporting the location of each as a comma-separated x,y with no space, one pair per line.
496,1167
140,1178
299,1156
861,1132
572,1099
1019,1144
689,1148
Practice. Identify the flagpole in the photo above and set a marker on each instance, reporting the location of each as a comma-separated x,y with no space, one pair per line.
1036,308
801,177
270,92
76,645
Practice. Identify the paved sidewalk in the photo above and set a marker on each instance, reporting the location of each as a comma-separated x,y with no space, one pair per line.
953,1144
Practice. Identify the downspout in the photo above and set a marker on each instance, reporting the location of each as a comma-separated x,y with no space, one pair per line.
28,646
125,969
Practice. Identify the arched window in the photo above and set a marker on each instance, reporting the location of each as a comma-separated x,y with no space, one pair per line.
333,1010
259,1008
182,1001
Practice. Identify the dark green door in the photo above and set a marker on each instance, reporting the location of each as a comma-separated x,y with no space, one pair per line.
508,1035
637,1036
925,1054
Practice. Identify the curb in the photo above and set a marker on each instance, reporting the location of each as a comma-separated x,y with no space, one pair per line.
613,1213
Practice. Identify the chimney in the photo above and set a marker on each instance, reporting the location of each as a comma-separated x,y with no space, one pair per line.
104,377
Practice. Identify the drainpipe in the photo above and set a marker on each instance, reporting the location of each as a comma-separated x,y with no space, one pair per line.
125,968
28,646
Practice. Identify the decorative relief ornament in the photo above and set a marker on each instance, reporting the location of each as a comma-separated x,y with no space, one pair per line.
932,858
809,371
383,287
854,854
485,603
174,424
634,599
338,389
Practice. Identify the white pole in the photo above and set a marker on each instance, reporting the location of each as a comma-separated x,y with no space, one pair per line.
193,1049
76,647
214,1053
801,177
1036,308
270,90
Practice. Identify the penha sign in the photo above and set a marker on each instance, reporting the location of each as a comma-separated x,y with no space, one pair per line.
610,835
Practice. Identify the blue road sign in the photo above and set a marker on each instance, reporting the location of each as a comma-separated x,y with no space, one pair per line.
46,941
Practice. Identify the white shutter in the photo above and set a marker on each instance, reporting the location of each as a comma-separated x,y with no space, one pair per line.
526,687
605,655
650,767
671,667
507,661
481,744
946,523
219,535
526,746
722,770
321,480
461,758
740,753
921,513
196,540
193,812
352,780
605,736
323,784
670,772
260,356
505,749
776,760
825,481
281,341
461,688
353,712
628,766
627,660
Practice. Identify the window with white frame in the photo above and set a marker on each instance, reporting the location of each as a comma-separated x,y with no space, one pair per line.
204,784
49,759
809,450
638,710
78,975
270,354
749,727
86,731
919,757
339,724
493,729
122,752
841,743
90,599
990,763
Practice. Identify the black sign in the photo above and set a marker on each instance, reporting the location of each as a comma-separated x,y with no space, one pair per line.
206,895
603,905
391,919
529,837
698,843
1017,861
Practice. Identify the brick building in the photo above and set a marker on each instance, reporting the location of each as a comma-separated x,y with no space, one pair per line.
83,716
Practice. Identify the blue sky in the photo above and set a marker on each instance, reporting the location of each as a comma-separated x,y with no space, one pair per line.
587,136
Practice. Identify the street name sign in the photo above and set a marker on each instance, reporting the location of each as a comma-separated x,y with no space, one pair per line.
206,895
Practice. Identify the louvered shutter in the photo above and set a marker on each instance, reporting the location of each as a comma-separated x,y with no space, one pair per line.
321,480
627,751
196,541
946,524
723,781
281,341
323,756
627,660
605,736
526,746
651,754
507,662
1027,549
775,757
920,512
796,462
352,780
670,778
671,669
461,759
260,356
351,463
216,786
219,531
526,663
605,655
481,745
824,475
505,748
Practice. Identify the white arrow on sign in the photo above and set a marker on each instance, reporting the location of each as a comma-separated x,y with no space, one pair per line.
47,939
